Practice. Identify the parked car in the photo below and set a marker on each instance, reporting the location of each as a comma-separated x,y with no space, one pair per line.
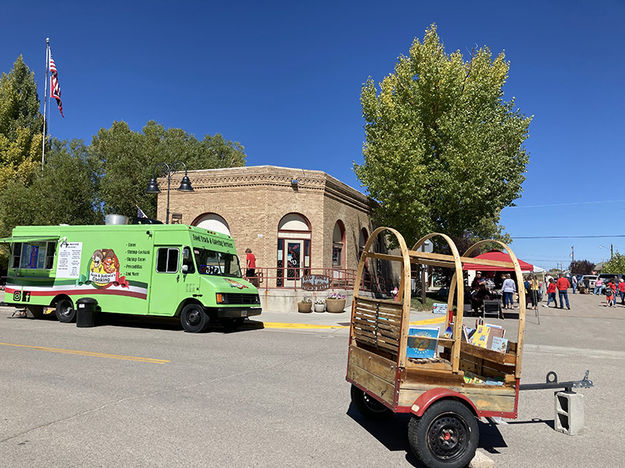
605,277
588,281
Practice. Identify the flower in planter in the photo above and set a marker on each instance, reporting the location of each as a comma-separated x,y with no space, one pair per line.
306,300
336,295
320,301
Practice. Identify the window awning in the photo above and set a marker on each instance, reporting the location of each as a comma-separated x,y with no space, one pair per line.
27,239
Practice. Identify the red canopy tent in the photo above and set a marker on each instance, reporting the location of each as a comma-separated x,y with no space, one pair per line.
499,256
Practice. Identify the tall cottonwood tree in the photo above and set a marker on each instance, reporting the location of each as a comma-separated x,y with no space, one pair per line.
444,150
21,125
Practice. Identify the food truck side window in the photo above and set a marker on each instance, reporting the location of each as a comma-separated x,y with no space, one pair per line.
31,256
167,260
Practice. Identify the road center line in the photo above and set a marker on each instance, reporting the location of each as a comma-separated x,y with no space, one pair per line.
89,353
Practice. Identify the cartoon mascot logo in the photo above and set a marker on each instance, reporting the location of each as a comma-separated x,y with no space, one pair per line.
104,269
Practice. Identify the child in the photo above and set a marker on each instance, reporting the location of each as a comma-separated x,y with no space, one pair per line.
609,295
551,293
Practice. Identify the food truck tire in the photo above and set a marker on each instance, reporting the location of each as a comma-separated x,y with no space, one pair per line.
368,406
194,318
445,436
65,311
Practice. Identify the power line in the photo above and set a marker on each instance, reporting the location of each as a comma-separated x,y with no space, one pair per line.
546,205
567,237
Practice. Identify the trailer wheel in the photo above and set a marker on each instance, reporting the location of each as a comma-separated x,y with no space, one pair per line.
194,318
368,406
445,436
65,311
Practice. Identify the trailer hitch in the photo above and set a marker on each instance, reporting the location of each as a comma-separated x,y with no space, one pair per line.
551,382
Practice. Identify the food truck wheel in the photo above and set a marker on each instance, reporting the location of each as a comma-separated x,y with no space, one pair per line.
194,318
445,436
368,406
65,311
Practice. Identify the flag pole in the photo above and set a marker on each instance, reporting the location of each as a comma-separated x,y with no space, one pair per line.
45,100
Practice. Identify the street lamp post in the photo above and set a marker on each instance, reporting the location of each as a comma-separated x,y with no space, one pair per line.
185,184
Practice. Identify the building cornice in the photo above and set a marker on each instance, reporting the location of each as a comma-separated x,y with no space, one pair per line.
275,176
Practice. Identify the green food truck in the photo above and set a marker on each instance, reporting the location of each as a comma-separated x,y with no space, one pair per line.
156,270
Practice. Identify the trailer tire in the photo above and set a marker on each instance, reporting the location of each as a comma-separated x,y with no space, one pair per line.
368,406
65,311
445,436
194,318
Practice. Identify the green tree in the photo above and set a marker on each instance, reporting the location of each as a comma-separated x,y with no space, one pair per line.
65,192
444,150
127,159
615,265
21,125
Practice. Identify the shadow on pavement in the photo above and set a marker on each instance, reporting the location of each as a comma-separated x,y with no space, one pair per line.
168,323
393,433
549,422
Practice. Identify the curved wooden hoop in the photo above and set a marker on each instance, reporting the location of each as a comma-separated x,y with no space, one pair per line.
521,291
404,285
455,288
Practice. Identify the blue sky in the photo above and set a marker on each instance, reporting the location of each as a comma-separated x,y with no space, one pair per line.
284,78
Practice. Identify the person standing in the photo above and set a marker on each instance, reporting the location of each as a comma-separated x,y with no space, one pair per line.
250,264
534,290
508,288
598,286
621,291
574,283
563,284
609,296
551,293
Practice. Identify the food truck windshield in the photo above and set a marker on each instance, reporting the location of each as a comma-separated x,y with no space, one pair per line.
210,262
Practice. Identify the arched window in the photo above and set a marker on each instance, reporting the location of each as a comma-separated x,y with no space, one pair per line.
338,245
362,240
212,222
294,236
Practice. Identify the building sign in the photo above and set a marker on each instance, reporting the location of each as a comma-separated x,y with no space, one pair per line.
315,282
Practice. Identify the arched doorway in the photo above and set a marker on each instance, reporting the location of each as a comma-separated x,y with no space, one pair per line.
294,236
212,222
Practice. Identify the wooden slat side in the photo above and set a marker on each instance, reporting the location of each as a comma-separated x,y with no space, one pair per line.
396,318
371,328
375,301
373,363
485,398
373,383
377,336
377,344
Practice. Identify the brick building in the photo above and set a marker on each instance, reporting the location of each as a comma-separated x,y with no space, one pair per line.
303,219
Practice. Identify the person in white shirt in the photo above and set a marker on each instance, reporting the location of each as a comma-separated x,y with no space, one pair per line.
508,288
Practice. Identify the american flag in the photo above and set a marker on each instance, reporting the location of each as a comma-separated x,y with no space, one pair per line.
55,89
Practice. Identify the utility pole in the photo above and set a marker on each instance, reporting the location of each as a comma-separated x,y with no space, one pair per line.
611,251
572,253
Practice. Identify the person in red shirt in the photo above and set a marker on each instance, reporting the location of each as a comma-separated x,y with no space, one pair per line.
551,293
250,264
563,284
621,291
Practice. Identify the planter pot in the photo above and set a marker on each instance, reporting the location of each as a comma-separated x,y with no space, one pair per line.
304,307
320,307
335,305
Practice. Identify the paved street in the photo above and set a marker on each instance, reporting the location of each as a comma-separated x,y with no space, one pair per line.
137,394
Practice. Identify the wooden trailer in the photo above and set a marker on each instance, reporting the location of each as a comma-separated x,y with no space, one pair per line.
443,430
